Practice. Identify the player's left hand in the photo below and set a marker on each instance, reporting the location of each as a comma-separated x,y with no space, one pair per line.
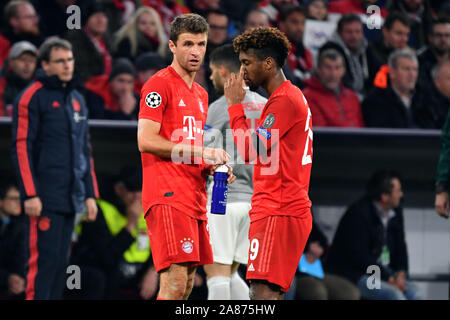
231,176
234,89
91,207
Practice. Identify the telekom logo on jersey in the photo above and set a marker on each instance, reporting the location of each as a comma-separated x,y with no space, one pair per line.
191,127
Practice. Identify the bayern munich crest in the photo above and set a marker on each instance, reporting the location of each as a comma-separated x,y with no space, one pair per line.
153,100
187,245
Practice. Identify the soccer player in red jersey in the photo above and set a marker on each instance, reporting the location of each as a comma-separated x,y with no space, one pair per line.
170,138
280,216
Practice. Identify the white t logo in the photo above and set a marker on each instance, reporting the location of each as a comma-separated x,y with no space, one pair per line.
190,126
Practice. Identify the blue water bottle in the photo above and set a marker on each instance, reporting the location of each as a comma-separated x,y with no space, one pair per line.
220,190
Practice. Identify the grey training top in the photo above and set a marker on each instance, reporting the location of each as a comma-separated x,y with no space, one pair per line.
218,134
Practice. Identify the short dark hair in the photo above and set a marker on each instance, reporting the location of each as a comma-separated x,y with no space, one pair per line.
266,42
218,12
52,43
289,9
439,20
347,18
189,22
5,186
381,182
396,16
226,56
331,54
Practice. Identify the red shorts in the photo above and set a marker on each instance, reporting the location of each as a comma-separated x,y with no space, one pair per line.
176,237
276,246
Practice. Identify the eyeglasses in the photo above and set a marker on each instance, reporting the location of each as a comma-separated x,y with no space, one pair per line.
63,61
12,198
213,26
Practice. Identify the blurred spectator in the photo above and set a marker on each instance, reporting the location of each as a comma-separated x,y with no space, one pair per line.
332,104
115,249
4,49
436,101
113,97
437,50
360,64
395,34
202,6
273,7
91,46
12,280
355,6
17,74
218,35
300,62
331,287
256,18
147,64
21,23
393,104
371,233
118,12
167,9
237,10
52,156
142,33
316,9
420,15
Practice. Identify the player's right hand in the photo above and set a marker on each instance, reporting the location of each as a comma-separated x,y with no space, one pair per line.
442,205
33,207
215,156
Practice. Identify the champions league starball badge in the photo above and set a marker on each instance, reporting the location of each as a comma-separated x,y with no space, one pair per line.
153,100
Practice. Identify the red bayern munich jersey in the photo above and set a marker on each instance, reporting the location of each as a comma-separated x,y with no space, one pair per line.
181,111
281,181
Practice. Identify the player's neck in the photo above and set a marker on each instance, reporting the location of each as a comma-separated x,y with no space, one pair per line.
188,77
274,82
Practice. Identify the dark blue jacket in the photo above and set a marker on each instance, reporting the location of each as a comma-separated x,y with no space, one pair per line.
359,240
51,148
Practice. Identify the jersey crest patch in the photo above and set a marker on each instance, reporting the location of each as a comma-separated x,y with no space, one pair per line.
153,100
270,120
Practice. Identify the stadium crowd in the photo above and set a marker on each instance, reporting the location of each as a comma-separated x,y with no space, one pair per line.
396,75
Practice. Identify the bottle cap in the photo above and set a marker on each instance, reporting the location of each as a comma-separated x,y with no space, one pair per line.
222,168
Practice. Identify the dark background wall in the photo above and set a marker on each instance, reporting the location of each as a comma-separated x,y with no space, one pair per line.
342,162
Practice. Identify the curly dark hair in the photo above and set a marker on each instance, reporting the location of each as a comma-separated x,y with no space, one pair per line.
265,42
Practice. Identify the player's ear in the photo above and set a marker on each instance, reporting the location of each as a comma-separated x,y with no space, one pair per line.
172,46
223,71
268,63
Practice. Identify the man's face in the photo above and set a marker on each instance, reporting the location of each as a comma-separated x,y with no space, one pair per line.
11,203
211,4
189,50
404,75
442,82
97,23
218,28
397,37
294,27
26,20
216,78
24,65
147,25
61,64
122,84
252,69
352,34
440,38
330,73
396,195
257,19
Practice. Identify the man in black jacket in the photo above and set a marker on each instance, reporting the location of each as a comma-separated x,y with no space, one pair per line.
54,167
12,281
371,236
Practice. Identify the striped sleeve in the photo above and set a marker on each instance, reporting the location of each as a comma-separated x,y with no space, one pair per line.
25,125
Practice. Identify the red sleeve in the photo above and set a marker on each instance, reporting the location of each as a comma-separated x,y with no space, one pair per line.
154,99
278,118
